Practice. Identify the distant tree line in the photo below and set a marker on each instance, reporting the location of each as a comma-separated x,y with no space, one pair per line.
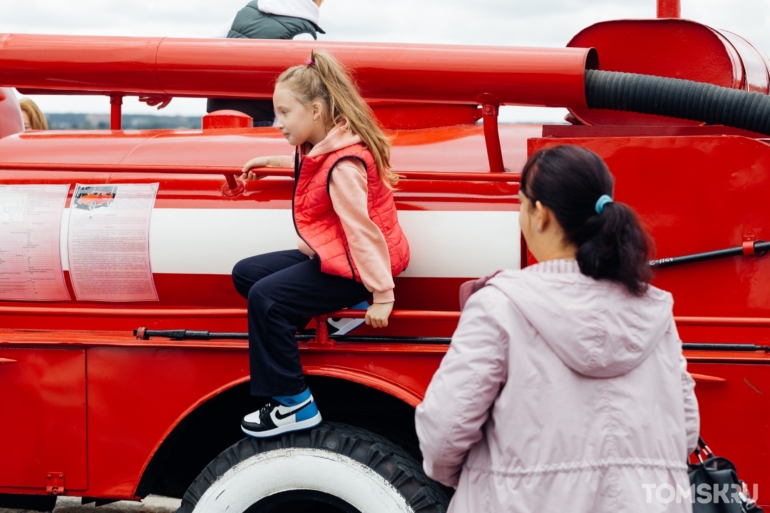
130,121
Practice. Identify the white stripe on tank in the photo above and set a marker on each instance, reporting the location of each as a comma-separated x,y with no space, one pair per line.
463,244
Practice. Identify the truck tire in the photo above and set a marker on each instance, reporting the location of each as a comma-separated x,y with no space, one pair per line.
331,468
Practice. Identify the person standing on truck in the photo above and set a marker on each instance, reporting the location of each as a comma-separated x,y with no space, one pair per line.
565,387
350,243
270,19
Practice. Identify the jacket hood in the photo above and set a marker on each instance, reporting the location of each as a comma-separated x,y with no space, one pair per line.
305,9
594,326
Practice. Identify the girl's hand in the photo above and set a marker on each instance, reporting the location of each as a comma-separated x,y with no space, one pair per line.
255,162
377,314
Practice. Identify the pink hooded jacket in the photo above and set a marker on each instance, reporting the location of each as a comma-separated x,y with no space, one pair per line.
561,393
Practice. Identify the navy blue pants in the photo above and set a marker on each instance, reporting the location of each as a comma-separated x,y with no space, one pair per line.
284,289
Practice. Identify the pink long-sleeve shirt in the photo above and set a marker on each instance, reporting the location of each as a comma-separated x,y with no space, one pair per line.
349,194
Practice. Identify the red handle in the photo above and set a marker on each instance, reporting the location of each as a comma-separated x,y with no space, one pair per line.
703,378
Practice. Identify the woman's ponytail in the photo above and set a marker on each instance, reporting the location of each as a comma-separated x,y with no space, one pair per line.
324,79
611,242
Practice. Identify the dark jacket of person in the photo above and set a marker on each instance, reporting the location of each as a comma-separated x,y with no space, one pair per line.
251,23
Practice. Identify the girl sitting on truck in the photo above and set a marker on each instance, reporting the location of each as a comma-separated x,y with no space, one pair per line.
350,244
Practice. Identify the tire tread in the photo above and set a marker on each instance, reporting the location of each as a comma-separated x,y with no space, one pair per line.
387,459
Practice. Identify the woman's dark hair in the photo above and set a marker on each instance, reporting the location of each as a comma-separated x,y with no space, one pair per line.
611,245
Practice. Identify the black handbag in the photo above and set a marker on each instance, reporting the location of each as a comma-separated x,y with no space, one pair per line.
715,485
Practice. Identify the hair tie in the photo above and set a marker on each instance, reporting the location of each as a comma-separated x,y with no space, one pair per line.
601,202
309,62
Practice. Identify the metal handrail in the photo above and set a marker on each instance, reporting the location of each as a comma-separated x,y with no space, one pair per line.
231,173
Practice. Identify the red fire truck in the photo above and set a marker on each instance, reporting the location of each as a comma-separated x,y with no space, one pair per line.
111,400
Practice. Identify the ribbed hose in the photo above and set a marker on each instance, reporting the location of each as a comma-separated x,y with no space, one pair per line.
676,98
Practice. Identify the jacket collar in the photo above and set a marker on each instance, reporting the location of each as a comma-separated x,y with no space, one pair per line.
339,137
555,267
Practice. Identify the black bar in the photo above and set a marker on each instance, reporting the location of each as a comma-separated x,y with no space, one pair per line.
389,340
724,347
208,335
760,249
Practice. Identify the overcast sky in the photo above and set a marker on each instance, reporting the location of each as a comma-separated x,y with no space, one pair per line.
477,22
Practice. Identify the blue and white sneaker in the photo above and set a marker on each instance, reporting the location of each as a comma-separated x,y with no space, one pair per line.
283,414
345,326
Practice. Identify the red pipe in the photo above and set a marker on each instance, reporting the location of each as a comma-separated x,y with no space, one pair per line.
230,172
492,138
248,68
669,9
116,111
725,322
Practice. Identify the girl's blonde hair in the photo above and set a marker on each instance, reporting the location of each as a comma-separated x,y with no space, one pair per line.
37,120
324,79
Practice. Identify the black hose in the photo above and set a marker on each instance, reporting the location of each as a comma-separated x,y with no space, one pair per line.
677,98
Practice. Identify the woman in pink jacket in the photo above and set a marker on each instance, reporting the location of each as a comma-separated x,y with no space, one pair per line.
565,388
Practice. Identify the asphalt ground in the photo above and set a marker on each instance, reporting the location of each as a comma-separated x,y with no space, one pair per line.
151,504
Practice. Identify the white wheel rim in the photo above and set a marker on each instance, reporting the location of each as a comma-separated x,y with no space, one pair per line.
289,469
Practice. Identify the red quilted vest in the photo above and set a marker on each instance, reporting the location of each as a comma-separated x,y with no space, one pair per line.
320,227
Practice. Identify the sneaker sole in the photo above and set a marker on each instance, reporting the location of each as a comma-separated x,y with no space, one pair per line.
297,426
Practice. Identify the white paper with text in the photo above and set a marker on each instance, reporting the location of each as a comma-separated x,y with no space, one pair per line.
108,242
30,258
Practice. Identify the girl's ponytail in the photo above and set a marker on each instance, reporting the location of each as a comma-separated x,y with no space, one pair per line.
611,242
323,78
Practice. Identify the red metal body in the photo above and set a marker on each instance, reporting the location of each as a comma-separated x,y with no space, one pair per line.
98,410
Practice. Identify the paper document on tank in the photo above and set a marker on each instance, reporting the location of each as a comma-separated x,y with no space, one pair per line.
30,259
108,242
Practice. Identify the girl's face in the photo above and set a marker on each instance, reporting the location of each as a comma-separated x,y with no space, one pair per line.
27,122
299,123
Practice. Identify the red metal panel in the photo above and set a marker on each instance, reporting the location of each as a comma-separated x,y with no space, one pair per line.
698,194
43,427
157,387
248,68
744,394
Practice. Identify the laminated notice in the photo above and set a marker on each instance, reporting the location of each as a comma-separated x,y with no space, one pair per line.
30,259
108,242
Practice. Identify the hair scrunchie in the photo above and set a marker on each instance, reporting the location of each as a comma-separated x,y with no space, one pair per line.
601,202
